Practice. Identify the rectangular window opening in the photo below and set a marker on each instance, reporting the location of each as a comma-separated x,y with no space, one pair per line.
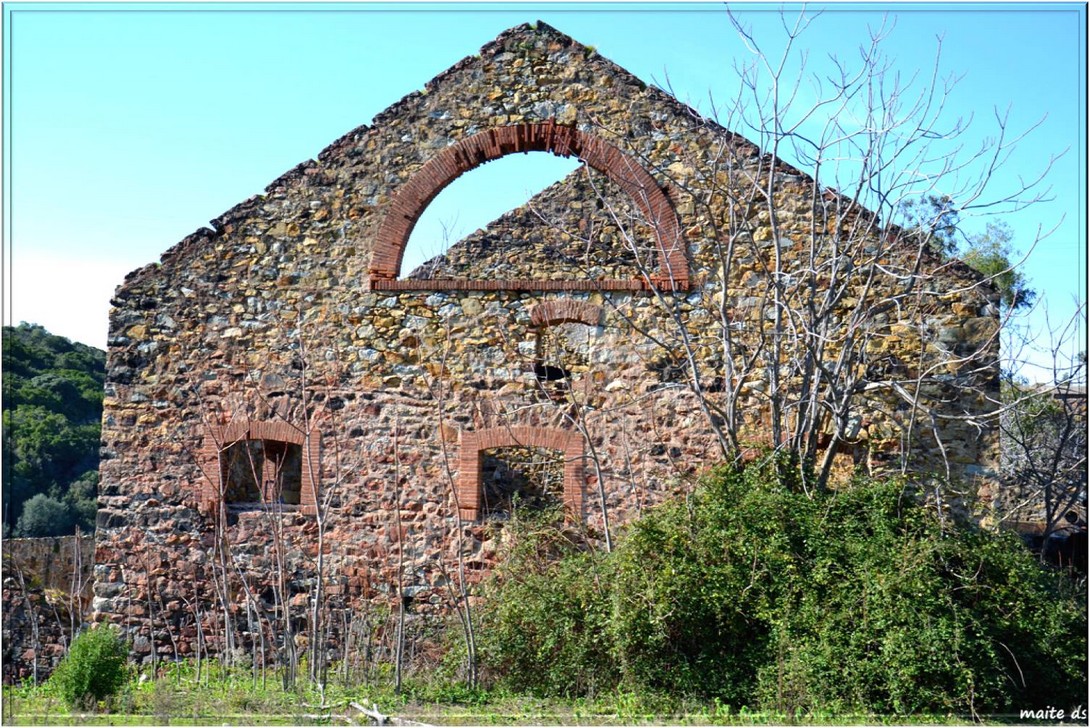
264,472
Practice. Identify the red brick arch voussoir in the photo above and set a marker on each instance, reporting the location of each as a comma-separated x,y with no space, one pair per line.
416,194
473,443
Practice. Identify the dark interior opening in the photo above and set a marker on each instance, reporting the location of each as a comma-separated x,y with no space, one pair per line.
262,471
521,477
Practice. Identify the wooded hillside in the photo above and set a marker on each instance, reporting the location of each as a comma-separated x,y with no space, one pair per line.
52,410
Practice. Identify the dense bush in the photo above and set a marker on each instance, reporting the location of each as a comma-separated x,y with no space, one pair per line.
753,593
45,516
544,629
94,668
698,587
900,612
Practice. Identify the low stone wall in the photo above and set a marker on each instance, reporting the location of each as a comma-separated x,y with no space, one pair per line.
40,576
52,563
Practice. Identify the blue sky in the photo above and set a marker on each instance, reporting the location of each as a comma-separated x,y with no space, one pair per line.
129,126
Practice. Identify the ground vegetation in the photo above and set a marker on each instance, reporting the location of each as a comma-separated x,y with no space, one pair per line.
750,592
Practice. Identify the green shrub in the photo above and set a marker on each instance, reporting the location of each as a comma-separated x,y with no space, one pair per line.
94,668
901,612
754,594
697,585
543,629
45,516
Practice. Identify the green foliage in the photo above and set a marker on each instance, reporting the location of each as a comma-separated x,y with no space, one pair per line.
992,254
697,585
754,594
53,392
545,628
44,516
82,499
899,614
934,219
94,668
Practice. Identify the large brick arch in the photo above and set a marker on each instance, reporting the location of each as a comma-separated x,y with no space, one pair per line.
472,444
414,196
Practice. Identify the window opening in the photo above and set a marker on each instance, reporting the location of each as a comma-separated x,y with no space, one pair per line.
262,471
476,199
549,357
423,186
473,444
561,354
521,477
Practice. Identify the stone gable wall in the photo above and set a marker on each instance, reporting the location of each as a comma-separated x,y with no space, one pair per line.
283,313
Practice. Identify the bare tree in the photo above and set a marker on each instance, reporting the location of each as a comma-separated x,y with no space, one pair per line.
1043,430
825,308
458,587
400,647
75,606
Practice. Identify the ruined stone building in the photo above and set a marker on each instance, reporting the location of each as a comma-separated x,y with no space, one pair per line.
280,390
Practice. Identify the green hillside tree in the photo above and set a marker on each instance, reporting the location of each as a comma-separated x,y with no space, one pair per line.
937,222
52,411
44,516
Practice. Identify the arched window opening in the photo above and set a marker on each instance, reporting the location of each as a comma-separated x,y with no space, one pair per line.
473,201
262,471
521,478
564,332
411,199
561,355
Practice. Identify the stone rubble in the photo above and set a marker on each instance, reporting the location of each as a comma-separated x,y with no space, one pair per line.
279,313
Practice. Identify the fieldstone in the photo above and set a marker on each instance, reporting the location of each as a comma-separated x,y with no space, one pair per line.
383,400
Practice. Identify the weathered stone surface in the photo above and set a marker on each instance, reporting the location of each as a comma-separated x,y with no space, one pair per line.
285,314
46,592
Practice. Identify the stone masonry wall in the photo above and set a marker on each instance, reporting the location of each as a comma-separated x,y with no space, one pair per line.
45,580
288,313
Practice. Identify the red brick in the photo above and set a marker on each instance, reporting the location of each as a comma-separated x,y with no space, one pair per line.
409,202
474,442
